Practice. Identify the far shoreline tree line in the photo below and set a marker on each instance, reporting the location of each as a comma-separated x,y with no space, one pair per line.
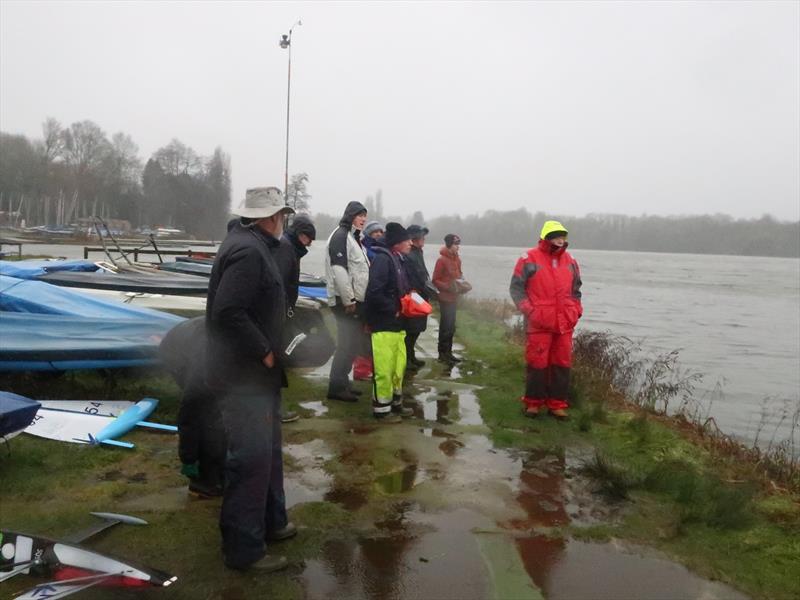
78,171
700,234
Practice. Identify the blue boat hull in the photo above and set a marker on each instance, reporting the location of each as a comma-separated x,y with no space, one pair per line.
16,412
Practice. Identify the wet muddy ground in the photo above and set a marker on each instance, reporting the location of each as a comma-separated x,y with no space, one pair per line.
433,510
451,516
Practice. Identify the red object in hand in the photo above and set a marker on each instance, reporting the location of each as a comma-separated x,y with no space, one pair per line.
413,305
362,368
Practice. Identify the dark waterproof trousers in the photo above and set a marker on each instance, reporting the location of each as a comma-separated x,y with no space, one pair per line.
411,341
549,360
350,341
414,327
201,433
447,326
254,505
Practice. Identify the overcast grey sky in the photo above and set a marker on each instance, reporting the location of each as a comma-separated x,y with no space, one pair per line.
571,107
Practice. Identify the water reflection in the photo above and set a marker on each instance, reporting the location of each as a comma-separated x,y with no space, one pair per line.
397,482
409,554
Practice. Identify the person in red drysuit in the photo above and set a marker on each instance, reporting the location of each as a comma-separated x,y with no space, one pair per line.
546,288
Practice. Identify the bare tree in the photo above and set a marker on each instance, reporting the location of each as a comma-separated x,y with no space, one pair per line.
52,145
85,145
297,194
85,149
178,159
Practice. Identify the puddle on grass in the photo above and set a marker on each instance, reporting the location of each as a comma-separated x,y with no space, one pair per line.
308,481
448,406
469,411
316,406
574,570
413,555
451,371
450,447
436,432
541,491
350,498
399,481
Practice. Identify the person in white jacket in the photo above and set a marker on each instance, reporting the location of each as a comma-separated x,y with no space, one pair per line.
347,274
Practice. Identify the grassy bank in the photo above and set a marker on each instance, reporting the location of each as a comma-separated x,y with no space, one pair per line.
365,495
703,502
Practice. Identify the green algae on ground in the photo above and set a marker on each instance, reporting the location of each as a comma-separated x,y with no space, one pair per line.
506,571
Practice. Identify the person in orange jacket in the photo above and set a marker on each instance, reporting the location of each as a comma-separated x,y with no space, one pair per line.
449,280
546,288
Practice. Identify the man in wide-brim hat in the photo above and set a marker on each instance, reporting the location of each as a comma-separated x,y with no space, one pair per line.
244,320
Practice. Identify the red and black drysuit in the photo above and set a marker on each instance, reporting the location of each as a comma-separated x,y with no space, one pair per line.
546,288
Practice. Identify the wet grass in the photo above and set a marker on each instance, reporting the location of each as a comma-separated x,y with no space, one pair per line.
614,480
709,509
49,488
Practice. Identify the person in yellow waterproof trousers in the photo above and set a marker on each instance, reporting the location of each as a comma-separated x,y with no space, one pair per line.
387,284
546,288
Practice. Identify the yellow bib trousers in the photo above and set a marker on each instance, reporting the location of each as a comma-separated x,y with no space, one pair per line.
389,358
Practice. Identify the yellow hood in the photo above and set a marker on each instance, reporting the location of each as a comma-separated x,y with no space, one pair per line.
550,227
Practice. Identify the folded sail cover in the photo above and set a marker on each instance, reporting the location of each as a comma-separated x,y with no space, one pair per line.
32,268
45,327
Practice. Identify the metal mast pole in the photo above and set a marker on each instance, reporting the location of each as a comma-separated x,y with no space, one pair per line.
286,43
288,96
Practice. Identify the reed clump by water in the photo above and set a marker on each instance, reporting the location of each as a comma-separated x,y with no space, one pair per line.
701,497
611,369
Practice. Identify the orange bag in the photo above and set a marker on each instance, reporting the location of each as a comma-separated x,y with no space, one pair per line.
413,305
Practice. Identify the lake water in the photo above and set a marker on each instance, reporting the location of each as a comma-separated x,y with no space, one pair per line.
735,319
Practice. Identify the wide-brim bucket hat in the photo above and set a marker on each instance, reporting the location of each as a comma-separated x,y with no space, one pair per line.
262,202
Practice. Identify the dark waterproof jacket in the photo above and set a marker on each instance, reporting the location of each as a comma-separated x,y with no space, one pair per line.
368,244
179,351
202,436
419,280
546,287
288,255
245,311
387,284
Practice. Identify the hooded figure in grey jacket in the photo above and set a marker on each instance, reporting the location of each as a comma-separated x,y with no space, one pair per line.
347,273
